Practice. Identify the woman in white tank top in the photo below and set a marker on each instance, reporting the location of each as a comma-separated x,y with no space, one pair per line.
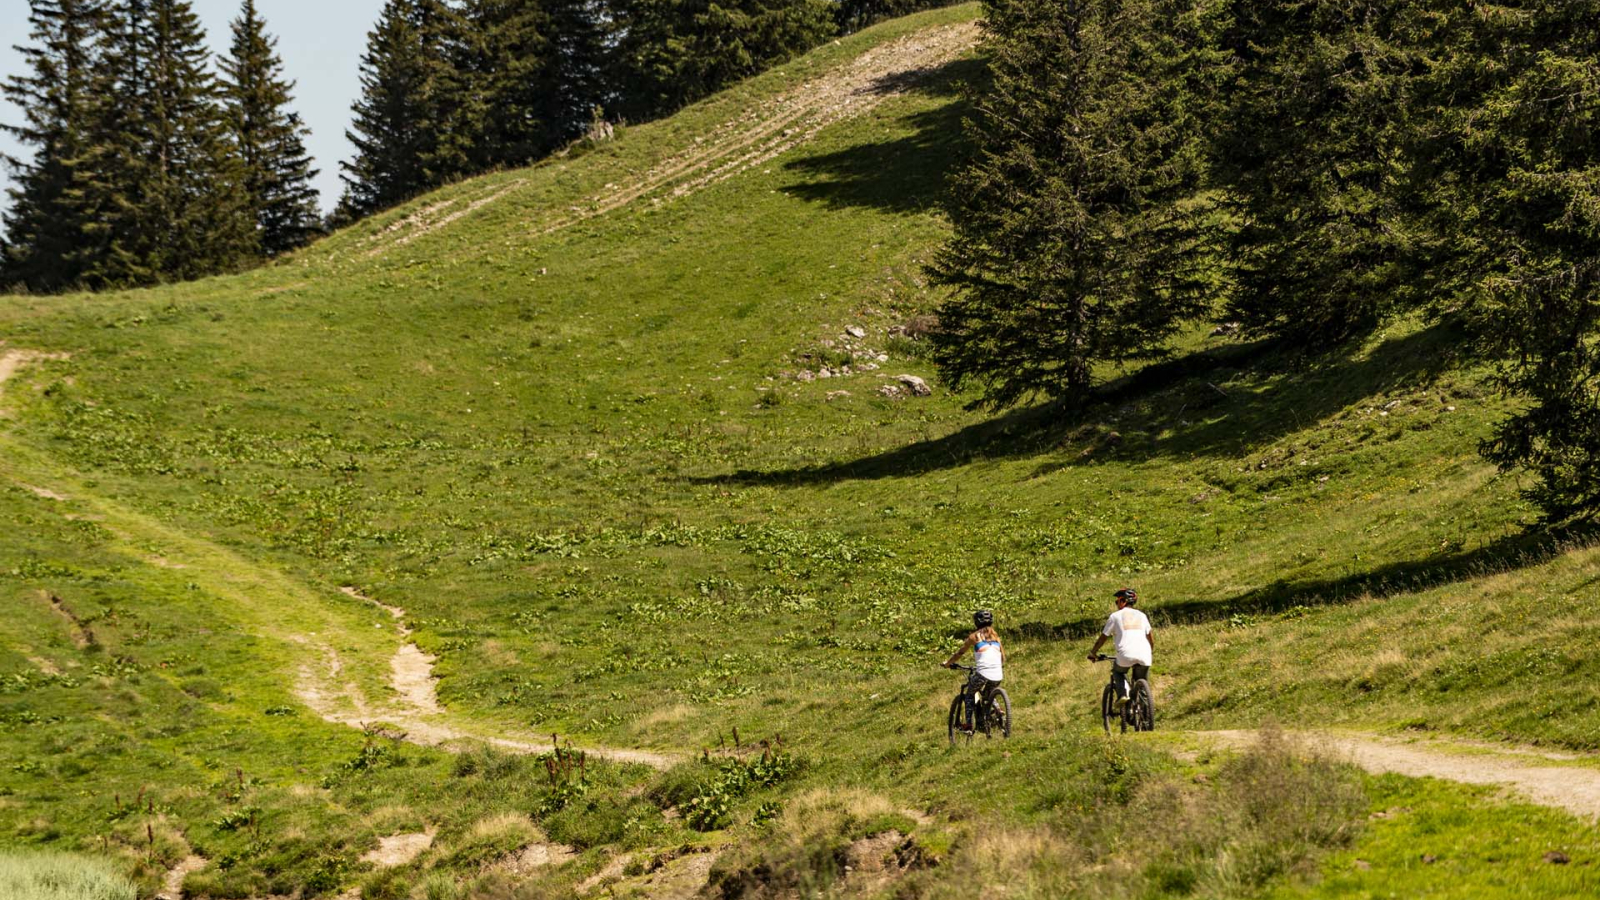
988,657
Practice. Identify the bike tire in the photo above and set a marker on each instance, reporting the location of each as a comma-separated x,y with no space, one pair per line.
958,709
1000,705
1144,704
1108,707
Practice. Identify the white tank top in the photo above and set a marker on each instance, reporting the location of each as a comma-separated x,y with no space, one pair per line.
986,659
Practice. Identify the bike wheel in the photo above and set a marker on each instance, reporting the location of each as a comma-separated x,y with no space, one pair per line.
1108,707
958,714
999,718
1144,707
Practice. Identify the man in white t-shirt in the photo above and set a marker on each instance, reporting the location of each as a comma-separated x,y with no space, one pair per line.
1135,643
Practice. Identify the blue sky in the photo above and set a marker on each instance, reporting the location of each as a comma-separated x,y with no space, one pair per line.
320,42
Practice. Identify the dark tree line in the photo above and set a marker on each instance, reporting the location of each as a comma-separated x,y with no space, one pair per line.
145,165
1310,169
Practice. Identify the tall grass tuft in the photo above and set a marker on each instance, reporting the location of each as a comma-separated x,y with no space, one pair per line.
60,876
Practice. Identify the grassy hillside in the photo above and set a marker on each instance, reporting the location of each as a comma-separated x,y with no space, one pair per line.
557,416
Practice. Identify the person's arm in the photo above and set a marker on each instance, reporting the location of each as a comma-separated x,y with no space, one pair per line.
1097,645
965,646
1150,637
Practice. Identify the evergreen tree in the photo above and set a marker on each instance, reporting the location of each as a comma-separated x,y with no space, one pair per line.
581,34
508,69
44,225
854,15
414,121
270,138
674,52
1510,147
167,195
1311,152
1081,233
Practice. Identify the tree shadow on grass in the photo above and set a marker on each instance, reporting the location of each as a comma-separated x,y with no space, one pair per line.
1288,599
1222,401
905,174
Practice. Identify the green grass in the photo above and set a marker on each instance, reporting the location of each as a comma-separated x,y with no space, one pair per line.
58,876
576,462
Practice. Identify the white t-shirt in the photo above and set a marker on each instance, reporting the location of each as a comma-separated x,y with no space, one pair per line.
1132,631
986,658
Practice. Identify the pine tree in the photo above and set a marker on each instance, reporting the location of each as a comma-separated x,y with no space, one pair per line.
505,64
167,196
581,33
44,226
1510,147
854,15
1081,231
1311,153
270,138
674,52
413,122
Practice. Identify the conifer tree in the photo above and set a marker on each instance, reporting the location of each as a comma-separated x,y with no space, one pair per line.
168,194
674,52
1311,152
581,32
270,138
413,122
508,68
1081,233
44,225
1510,148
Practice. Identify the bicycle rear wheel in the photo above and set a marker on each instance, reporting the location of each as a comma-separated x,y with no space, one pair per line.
998,719
958,723
1144,707
1108,707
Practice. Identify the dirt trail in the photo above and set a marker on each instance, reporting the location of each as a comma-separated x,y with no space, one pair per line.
172,887
1573,788
269,602
418,710
795,117
758,135
13,360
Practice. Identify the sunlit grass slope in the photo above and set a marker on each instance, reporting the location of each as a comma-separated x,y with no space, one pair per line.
557,415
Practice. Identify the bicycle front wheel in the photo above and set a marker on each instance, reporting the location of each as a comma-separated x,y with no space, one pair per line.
1108,707
1144,707
958,716
999,718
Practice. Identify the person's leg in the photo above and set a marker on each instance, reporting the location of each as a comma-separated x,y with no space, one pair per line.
1119,680
1141,673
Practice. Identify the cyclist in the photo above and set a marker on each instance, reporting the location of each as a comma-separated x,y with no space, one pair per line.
1135,643
988,660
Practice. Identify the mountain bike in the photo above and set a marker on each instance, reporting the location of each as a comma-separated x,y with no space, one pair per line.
990,718
1139,713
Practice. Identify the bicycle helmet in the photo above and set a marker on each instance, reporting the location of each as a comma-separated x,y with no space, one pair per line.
1129,595
983,619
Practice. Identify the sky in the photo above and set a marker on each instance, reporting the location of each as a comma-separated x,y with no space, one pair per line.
320,42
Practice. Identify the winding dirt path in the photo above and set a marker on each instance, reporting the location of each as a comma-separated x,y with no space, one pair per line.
417,709
270,602
1530,774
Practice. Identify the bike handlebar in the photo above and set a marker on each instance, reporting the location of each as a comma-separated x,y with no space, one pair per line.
962,668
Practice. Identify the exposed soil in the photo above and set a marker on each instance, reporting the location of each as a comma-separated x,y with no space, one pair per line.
43,493
172,887
82,637
418,711
399,849
537,856
1575,789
